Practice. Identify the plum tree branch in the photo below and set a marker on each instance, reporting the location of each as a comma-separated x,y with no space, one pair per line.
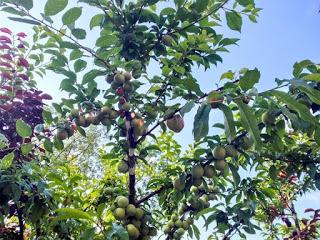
231,230
150,195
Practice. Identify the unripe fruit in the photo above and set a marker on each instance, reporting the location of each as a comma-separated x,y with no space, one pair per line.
231,151
122,202
119,78
174,217
108,190
131,210
219,152
126,107
268,118
197,171
185,225
197,181
171,224
115,85
123,167
220,165
175,123
106,121
120,91
179,184
190,220
167,40
209,171
113,114
127,87
166,229
193,189
178,223
153,231
62,134
214,98
105,110
246,143
127,76
133,231
139,213
180,231
74,113
110,78
119,213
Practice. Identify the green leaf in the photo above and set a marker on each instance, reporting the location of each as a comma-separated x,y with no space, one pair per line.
27,4
53,7
312,93
117,232
70,213
229,125
71,15
303,111
250,123
249,79
96,20
187,108
299,66
201,5
245,3
312,77
79,65
90,76
23,129
48,145
79,33
22,20
75,54
200,125
26,148
234,20
6,161
235,174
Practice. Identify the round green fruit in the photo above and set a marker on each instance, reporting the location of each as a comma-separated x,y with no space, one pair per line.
133,231
131,210
193,189
126,107
219,152
127,76
180,231
123,167
139,213
268,118
179,184
174,217
185,225
153,231
231,151
74,113
178,223
106,121
127,87
166,229
197,171
113,114
220,165
197,182
110,78
119,78
209,171
122,202
119,214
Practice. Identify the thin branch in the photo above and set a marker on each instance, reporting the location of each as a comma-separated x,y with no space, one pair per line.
150,195
231,230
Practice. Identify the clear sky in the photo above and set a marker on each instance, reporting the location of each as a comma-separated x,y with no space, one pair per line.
286,32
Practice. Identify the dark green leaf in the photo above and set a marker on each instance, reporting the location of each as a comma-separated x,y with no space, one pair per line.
71,15
22,20
79,33
234,20
200,125
53,7
249,79
229,125
23,129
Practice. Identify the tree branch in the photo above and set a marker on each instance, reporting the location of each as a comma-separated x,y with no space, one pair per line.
150,195
21,224
231,230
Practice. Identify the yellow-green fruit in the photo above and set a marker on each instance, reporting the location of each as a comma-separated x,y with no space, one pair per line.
171,224
122,202
126,106
214,98
209,171
167,40
190,220
115,85
166,229
246,143
153,231
62,134
119,78
113,114
175,123
179,184
197,182
197,171
185,225
193,189
268,118
133,231
180,231
139,213
178,223
123,167
127,87
108,190
127,76
74,113
220,165
131,210
119,213
105,110
231,151
174,217
219,152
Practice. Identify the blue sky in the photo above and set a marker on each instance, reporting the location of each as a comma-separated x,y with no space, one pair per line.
287,31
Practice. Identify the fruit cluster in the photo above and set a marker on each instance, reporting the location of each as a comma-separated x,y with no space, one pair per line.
135,219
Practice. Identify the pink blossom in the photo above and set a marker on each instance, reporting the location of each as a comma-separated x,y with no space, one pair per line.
5,30
5,64
5,39
23,62
4,46
6,56
23,76
6,75
21,34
